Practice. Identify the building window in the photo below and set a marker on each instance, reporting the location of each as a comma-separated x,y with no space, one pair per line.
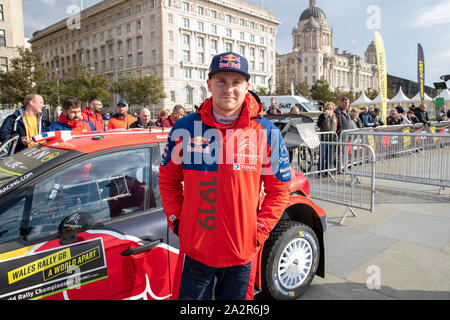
172,96
186,6
200,42
186,40
213,29
1,13
188,95
140,58
3,64
186,56
2,38
203,95
187,73
200,57
185,22
214,45
213,14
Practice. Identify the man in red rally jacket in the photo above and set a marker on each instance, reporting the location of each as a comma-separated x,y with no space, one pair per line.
210,180
92,113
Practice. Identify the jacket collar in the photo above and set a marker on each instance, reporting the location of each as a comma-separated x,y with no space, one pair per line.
250,109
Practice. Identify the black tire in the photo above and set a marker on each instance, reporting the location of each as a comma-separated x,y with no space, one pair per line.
288,277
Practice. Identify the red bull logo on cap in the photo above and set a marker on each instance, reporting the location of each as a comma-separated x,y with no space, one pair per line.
230,61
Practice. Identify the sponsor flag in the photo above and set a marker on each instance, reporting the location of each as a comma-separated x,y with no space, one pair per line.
382,73
420,71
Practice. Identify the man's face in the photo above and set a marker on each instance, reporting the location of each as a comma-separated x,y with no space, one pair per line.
96,106
37,103
144,116
345,103
228,90
122,109
177,115
73,114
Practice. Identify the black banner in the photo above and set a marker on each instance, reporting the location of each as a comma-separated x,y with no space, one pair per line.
51,271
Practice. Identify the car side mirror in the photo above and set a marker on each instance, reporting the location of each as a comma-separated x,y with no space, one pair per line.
73,224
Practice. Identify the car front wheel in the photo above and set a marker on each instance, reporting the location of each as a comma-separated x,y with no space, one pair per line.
289,261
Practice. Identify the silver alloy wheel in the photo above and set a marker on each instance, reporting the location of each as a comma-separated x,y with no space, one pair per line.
295,263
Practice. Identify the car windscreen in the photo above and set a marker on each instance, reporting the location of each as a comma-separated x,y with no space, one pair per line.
18,167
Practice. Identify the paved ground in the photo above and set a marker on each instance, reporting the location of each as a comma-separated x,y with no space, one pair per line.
401,251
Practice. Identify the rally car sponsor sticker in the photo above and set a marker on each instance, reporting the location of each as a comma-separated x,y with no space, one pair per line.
51,271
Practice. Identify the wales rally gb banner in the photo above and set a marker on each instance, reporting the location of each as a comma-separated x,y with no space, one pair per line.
382,73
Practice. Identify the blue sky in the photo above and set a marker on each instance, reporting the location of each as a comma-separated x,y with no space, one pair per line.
402,24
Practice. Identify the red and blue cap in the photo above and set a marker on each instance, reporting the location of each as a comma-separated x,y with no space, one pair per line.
229,62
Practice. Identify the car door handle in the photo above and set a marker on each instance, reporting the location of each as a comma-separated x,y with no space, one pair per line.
145,247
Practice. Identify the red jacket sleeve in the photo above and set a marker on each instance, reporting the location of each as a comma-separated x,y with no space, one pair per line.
276,178
170,178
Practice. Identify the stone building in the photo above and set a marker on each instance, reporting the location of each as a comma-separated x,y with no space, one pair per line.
11,31
314,57
171,39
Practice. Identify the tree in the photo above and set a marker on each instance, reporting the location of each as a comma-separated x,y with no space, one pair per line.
140,90
27,74
82,84
302,88
321,91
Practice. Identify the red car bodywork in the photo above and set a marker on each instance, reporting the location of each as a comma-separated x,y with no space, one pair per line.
146,275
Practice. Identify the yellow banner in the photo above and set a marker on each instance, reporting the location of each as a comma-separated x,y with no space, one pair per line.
382,73
38,265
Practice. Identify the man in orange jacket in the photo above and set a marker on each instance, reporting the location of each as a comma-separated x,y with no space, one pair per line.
121,120
92,113
210,180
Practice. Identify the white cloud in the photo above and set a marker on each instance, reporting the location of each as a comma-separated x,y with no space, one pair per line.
438,14
50,2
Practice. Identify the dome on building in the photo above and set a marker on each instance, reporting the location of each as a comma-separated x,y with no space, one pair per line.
312,11
312,24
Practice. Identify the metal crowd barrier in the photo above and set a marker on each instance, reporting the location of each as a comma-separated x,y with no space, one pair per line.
336,178
414,157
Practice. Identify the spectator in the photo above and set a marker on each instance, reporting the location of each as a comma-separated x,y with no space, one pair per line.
70,118
163,118
294,110
223,241
400,110
357,123
26,121
373,120
274,110
92,113
177,113
410,116
422,114
327,123
274,103
394,118
144,120
363,114
121,120
441,112
344,120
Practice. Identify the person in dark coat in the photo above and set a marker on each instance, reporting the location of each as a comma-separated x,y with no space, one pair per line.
26,121
422,114
344,120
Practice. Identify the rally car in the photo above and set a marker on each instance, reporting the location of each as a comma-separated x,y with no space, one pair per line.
81,218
